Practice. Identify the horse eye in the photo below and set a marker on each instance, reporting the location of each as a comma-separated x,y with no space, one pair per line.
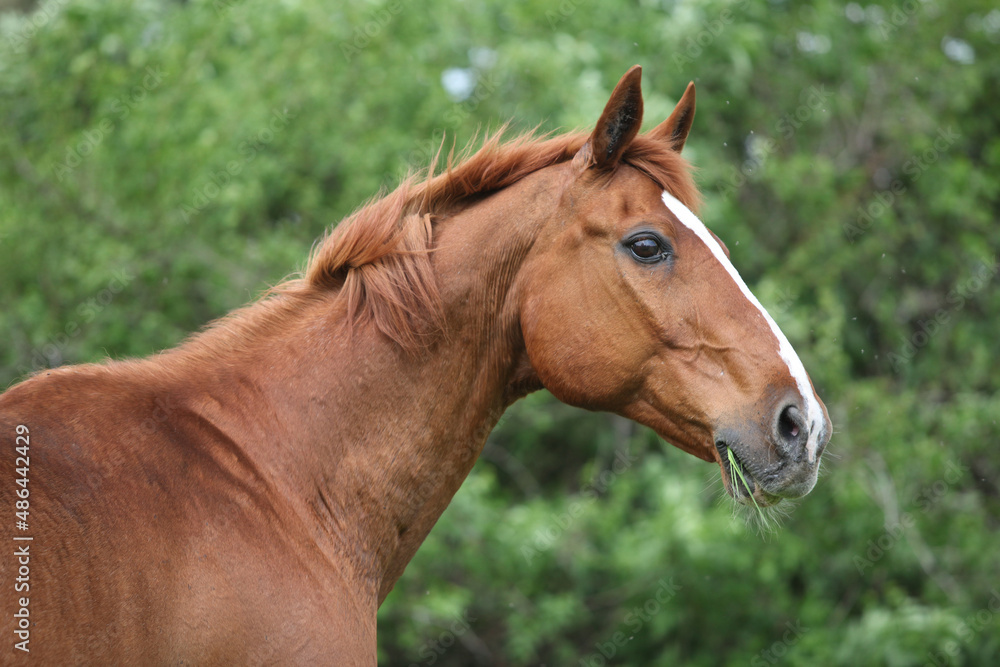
646,248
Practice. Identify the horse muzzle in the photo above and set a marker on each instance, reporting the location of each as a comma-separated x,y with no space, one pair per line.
765,460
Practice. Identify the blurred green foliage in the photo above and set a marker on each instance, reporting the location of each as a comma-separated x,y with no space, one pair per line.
161,163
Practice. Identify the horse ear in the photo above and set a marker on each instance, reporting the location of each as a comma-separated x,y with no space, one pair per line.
674,130
617,126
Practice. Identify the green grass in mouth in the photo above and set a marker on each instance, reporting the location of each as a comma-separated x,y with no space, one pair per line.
735,466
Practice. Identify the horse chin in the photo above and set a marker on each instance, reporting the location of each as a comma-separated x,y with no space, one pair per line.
763,498
759,498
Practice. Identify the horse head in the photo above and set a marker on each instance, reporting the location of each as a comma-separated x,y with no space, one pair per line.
631,305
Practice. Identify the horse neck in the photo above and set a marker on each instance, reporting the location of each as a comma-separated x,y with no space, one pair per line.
373,441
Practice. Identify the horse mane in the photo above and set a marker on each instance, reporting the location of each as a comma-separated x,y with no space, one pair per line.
379,255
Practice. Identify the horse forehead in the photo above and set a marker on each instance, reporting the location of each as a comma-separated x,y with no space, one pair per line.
611,208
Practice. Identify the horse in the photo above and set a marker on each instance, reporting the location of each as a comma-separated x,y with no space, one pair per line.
252,495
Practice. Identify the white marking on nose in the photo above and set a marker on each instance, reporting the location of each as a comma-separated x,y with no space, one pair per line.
798,372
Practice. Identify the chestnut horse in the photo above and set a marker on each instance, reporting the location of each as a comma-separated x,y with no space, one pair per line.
253,495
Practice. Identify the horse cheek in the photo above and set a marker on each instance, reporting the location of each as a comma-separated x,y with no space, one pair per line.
550,349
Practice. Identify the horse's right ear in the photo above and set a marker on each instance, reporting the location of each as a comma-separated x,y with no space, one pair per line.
674,130
616,127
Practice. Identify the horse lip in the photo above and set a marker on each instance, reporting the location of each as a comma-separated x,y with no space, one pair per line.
756,494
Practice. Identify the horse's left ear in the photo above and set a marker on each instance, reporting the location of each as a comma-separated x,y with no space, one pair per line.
674,130
617,126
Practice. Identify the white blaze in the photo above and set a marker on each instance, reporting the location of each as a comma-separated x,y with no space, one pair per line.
814,414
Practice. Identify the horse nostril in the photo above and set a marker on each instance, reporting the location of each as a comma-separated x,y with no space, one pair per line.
791,428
